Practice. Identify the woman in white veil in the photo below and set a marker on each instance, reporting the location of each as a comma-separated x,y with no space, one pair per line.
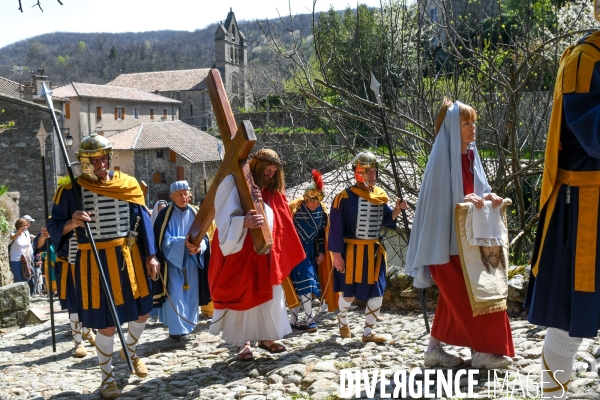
454,174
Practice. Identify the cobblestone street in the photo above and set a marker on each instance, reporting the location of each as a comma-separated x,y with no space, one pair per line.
207,368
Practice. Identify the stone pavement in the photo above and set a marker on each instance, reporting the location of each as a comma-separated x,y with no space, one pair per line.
207,368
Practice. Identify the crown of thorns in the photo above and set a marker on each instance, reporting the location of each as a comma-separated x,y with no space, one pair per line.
269,160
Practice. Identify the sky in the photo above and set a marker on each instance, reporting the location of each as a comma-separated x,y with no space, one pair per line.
142,15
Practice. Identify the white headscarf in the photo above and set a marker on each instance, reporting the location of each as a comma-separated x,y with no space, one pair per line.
155,211
433,236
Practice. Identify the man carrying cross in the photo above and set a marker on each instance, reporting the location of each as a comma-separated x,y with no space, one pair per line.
246,286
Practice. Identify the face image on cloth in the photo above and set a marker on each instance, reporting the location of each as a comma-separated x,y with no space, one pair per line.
492,257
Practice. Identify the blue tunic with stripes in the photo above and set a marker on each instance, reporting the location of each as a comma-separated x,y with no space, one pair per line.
310,226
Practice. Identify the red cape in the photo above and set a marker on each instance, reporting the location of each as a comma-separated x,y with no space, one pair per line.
238,281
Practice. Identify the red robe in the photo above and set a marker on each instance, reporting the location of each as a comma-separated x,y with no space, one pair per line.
238,281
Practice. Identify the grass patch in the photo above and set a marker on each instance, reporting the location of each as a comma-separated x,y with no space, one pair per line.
344,365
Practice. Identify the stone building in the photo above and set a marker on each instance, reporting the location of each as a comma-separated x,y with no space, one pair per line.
108,110
231,58
21,167
189,86
186,85
160,154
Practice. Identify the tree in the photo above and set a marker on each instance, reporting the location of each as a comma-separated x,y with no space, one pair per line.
498,59
38,4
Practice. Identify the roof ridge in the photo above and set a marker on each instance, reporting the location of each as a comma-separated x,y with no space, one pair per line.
75,87
137,135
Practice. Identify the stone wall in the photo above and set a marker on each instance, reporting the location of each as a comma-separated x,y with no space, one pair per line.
14,304
401,295
147,164
21,166
8,201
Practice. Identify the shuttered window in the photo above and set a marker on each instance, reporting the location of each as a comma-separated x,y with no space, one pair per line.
172,156
67,111
98,113
152,113
156,177
180,174
164,113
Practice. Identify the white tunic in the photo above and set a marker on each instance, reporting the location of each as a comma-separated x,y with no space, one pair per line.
267,321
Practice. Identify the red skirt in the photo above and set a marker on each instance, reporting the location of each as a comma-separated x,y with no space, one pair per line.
454,322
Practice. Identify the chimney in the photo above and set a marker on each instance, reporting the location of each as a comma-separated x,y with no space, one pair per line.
28,91
38,80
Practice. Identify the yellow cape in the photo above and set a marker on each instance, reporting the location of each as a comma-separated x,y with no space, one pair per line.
574,76
377,196
120,187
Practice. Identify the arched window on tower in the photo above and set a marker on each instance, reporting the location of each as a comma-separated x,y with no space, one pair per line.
234,83
231,54
233,33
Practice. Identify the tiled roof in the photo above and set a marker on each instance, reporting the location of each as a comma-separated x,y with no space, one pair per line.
185,140
9,87
15,89
185,79
76,89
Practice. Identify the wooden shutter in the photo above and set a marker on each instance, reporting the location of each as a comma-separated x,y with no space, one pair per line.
180,173
156,177
98,113
165,113
67,110
152,113
122,112
116,113
172,156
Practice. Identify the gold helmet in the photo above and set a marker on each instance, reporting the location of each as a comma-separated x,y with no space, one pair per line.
314,190
93,145
363,160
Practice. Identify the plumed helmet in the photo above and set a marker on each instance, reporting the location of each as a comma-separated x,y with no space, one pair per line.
314,190
93,145
365,159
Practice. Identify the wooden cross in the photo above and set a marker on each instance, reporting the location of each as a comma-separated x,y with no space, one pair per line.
238,142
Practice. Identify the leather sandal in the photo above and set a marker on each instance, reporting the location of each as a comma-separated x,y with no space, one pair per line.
138,365
109,390
245,355
273,348
344,329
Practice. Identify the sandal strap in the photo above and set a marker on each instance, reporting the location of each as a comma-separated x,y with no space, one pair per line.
372,311
106,381
132,350
563,386
105,355
341,324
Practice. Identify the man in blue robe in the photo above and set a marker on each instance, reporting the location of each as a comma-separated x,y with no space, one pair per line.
184,269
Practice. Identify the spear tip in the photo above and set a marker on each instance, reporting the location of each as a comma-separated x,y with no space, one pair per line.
45,90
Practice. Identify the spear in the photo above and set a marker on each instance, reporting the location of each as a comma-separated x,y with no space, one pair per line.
42,134
375,88
47,93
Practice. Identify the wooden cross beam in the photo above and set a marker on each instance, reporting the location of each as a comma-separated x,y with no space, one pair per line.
238,142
